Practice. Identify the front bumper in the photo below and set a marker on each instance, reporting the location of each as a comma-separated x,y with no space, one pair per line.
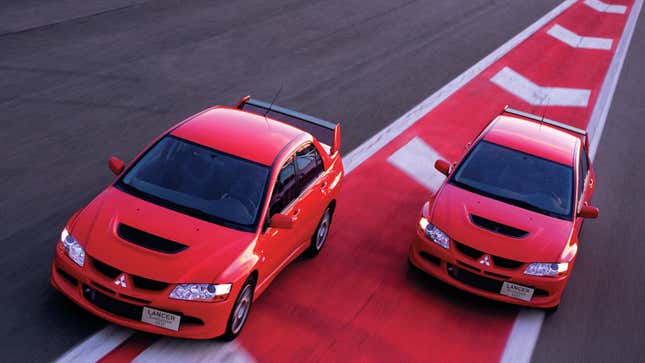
97,294
467,274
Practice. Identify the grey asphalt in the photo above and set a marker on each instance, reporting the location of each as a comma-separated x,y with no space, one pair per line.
83,80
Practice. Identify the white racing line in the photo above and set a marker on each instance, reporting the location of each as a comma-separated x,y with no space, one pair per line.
96,346
527,325
574,40
606,8
534,94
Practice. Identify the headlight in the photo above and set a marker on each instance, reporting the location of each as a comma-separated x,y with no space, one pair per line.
435,234
201,292
546,269
73,249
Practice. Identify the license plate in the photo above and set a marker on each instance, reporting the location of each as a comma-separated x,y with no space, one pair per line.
517,291
160,318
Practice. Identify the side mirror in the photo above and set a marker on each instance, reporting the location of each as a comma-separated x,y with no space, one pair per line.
281,221
588,211
442,166
116,165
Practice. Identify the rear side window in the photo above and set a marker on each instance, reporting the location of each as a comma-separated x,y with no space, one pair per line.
284,191
309,165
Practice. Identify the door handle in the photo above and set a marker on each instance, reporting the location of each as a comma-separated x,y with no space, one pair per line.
323,185
296,212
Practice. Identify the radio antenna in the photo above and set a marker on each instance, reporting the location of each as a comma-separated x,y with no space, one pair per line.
273,101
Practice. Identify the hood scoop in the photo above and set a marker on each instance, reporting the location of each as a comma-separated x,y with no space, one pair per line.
149,241
497,227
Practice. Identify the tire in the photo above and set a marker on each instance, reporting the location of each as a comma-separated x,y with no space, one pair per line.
238,318
320,234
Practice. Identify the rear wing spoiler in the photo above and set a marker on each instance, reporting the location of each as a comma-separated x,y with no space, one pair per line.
580,132
303,121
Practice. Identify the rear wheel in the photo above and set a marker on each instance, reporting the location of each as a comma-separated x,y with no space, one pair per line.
240,311
320,235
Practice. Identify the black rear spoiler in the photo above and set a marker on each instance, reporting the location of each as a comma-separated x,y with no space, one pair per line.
291,114
547,121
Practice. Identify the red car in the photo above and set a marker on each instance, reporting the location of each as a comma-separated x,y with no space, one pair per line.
199,224
505,223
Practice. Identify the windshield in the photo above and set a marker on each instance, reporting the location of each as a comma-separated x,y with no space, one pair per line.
517,178
200,182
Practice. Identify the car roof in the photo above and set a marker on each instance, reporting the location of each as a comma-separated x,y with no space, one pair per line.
240,133
533,137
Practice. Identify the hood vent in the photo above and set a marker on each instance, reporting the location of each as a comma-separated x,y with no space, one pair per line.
497,227
149,241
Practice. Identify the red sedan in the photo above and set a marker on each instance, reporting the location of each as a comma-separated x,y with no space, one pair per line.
198,225
505,223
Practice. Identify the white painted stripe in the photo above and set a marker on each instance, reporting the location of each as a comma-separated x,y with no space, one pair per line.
526,328
606,95
169,350
534,94
576,41
376,142
606,8
524,335
96,346
416,159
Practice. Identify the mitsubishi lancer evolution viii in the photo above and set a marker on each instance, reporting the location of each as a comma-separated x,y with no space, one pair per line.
505,222
198,225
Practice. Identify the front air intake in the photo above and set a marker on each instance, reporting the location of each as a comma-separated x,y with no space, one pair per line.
149,241
497,227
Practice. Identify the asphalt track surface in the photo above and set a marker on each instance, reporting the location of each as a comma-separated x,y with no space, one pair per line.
78,87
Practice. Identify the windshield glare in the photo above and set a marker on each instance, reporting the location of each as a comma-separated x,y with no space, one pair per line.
199,181
518,178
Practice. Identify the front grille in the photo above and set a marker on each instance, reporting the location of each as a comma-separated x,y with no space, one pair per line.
138,281
468,251
127,310
147,284
111,305
482,282
67,277
149,241
106,269
506,263
497,227
430,258
475,280
476,254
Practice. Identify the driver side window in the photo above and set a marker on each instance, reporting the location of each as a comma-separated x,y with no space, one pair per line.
284,191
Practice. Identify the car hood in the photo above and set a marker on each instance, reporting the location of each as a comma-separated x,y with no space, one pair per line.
211,248
545,241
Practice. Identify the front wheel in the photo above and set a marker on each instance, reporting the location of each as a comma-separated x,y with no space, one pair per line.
320,235
240,311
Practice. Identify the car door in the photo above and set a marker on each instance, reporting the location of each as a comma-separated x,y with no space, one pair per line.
312,184
278,245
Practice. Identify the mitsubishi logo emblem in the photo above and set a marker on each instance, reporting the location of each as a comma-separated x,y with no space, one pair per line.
120,281
485,260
